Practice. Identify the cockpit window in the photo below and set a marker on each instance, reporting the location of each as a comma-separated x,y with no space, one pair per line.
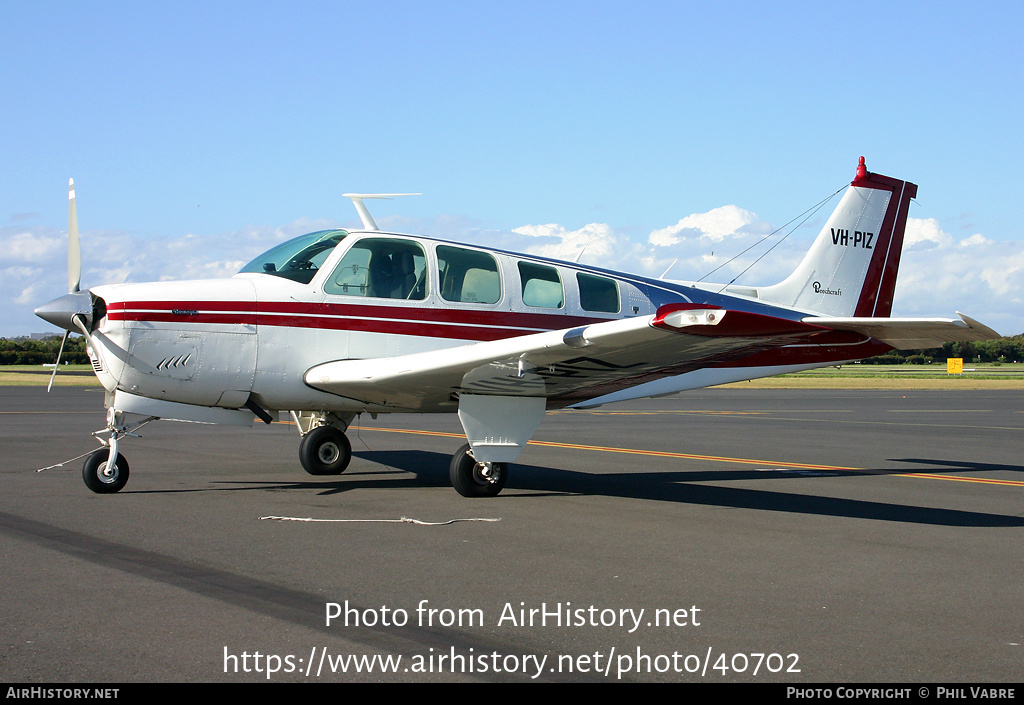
299,258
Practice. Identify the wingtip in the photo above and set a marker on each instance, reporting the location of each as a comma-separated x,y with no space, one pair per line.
978,326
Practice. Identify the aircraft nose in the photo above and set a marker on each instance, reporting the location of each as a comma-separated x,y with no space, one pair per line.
62,311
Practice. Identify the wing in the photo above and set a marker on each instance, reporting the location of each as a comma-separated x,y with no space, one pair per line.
911,333
563,366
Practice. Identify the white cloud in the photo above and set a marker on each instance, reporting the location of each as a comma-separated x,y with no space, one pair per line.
925,233
717,224
597,242
30,246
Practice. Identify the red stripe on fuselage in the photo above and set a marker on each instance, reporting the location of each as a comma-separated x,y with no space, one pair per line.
460,324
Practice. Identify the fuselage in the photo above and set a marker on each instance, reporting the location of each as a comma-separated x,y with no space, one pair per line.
358,295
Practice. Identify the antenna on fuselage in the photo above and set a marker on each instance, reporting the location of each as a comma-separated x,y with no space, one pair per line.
364,214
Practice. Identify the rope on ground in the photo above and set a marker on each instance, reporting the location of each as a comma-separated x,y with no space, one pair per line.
60,465
403,520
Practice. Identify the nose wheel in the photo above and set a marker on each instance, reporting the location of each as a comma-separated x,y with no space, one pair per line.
100,477
473,479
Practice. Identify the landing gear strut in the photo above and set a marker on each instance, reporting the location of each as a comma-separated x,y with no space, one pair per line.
473,479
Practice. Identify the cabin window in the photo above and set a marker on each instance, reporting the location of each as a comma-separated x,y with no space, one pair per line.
384,268
598,294
542,287
468,276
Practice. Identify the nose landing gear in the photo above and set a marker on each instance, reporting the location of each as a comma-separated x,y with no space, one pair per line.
105,471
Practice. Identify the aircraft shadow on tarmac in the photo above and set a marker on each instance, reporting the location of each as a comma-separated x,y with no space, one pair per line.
430,470
957,465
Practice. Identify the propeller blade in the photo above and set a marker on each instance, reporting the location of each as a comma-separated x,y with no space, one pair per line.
74,249
79,321
59,353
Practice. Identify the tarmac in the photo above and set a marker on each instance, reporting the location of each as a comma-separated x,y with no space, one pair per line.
722,535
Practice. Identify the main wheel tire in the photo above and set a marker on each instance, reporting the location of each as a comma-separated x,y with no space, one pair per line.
473,479
96,476
325,451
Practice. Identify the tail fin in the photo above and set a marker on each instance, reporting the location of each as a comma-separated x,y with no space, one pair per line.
851,268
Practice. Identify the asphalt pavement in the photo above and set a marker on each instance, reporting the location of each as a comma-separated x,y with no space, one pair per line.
724,535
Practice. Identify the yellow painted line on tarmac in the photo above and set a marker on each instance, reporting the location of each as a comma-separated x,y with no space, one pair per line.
938,411
689,456
713,458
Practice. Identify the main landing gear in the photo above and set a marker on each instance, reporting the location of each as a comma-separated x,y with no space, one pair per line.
473,479
324,449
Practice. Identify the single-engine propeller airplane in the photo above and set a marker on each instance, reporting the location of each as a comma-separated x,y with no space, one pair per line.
337,323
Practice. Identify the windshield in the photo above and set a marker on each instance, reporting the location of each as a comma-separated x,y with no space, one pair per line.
299,258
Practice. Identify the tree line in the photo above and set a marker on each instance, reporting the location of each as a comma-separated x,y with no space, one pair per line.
23,351
1008,349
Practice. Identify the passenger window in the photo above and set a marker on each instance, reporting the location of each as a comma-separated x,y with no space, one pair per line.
542,286
381,267
468,276
598,293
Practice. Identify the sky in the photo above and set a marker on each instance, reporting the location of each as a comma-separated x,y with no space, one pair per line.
202,133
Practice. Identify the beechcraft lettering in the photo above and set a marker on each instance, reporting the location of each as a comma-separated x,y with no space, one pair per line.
338,323
819,289
859,239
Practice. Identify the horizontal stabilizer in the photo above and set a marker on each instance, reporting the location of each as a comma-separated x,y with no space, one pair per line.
911,333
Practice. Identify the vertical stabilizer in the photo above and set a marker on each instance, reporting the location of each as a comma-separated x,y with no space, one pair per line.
851,268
